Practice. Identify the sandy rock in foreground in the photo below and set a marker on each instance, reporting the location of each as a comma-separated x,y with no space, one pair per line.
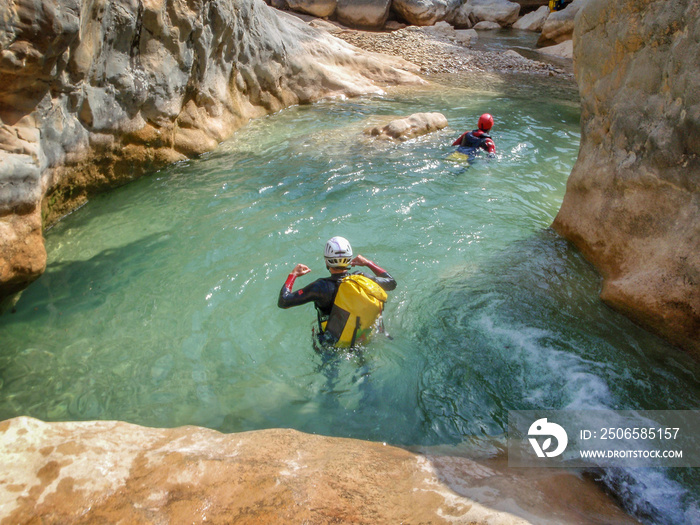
112,472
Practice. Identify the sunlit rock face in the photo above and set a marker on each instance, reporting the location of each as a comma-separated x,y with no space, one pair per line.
632,202
94,93
559,25
113,472
366,14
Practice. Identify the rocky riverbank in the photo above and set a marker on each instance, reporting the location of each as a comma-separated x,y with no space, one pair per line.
438,49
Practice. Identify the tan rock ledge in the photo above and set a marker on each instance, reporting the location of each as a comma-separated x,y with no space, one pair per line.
114,472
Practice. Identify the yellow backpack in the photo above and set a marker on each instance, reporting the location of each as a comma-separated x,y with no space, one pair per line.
358,304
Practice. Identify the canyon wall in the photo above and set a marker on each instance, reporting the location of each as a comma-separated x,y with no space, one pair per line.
632,202
95,93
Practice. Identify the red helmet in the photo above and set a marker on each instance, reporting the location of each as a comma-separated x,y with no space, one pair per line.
485,122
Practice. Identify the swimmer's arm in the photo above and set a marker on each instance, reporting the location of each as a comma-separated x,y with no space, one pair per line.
288,298
458,142
489,145
383,278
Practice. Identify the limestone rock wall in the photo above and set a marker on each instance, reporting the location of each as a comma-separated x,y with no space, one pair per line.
632,202
94,93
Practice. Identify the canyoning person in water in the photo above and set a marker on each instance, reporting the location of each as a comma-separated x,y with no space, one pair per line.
471,141
349,305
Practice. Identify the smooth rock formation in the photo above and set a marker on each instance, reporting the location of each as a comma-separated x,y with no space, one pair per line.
112,472
440,29
559,25
462,18
319,8
486,26
501,12
466,37
423,12
94,94
368,14
533,21
632,202
409,127
563,50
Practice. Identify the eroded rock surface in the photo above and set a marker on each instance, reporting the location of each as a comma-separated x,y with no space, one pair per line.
94,94
533,21
501,13
319,8
409,127
369,14
112,472
423,12
632,202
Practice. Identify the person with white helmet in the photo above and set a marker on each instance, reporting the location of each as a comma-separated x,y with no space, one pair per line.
343,312
478,138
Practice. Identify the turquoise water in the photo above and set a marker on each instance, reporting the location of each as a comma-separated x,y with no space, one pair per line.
158,306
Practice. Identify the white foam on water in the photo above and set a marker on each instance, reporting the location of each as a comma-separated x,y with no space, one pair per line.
649,494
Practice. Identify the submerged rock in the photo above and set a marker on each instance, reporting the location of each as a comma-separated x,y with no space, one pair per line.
409,127
632,202
94,94
112,472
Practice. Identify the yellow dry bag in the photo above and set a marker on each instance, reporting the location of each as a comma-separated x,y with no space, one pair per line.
358,304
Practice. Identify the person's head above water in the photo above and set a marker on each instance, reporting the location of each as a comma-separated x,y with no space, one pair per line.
485,122
338,254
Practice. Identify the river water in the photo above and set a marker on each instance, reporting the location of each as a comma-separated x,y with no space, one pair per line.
158,306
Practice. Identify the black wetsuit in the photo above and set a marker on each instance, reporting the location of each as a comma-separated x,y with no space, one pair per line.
322,291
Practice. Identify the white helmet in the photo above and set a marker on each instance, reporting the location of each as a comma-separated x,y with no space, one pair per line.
338,253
